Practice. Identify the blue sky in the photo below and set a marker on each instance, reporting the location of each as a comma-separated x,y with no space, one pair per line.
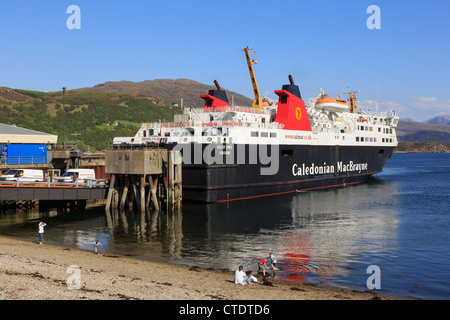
323,44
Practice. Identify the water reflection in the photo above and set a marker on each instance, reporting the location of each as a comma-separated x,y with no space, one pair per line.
321,235
151,234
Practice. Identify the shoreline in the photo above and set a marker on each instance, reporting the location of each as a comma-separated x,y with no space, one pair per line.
29,271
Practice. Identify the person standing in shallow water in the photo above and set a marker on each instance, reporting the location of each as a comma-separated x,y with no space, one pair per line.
96,244
41,231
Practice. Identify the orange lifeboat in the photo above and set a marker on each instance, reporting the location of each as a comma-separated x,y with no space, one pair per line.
331,104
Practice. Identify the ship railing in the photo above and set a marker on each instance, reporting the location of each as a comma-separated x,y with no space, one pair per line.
160,125
198,110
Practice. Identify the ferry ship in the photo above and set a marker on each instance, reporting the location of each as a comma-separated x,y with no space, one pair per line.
273,147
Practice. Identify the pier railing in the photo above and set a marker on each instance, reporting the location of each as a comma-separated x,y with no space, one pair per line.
92,183
24,160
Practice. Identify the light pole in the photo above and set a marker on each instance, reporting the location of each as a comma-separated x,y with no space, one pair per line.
64,118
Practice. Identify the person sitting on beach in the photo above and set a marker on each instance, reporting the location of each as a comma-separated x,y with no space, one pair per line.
96,244
249,278
239,275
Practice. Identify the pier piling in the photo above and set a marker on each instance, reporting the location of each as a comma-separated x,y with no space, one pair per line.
145,178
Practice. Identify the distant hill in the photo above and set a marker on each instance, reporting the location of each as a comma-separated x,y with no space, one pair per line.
439,120
409,130
167,89
423,147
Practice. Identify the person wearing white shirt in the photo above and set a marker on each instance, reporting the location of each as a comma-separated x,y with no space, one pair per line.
239,275
41,231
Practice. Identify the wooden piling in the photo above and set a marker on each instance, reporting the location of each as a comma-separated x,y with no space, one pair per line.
110,192
142,185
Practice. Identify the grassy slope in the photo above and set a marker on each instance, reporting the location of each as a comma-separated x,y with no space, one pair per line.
86,114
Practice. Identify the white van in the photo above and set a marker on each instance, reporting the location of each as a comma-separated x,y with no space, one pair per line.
25,175
80,175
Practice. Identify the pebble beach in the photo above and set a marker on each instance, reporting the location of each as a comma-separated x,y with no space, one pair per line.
29,271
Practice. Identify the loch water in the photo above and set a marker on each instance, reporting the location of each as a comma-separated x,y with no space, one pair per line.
399,221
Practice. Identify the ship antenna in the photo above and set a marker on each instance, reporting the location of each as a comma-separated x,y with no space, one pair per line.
378,90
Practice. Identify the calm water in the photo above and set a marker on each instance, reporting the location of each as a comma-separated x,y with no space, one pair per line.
398,221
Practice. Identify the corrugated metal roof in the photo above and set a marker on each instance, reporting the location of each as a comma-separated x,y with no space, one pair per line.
12,134
8,129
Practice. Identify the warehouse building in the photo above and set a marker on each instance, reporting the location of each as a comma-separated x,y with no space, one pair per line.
23,146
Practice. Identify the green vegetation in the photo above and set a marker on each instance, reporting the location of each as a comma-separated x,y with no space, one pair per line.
87,115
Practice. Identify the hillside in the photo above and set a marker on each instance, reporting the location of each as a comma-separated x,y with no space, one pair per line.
409,130
167,89
92,119
95,115
422,147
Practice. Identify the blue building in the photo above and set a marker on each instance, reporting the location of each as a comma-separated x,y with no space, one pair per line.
23,146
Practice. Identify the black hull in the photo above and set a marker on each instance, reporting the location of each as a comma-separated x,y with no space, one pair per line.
300,168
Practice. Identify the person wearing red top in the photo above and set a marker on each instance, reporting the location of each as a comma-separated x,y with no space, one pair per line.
262,266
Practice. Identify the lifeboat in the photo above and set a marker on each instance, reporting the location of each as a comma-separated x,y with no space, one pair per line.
331,104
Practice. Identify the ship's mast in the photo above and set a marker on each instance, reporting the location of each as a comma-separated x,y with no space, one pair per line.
257,101
353,101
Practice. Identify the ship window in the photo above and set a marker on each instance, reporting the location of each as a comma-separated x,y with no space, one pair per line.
379,129
382,140
264,134
273,134
287,153
254,134
167,134
381,151
362,139
371,128
374,139
357,139
390,131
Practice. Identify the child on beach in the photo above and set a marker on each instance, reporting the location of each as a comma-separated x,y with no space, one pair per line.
96,244
41,231
249,278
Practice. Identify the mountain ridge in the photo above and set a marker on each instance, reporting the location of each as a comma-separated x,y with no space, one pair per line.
171,90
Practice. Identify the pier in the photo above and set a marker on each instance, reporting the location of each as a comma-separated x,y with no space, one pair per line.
144,178
140,179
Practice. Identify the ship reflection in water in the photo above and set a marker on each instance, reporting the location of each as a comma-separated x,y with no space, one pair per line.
324,237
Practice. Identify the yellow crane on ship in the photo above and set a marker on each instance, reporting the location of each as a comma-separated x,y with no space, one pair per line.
257,101
353,101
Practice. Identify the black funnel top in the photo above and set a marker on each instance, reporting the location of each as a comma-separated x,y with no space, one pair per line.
219,94
292,88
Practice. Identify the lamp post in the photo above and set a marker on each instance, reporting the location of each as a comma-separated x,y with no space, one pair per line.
64,117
